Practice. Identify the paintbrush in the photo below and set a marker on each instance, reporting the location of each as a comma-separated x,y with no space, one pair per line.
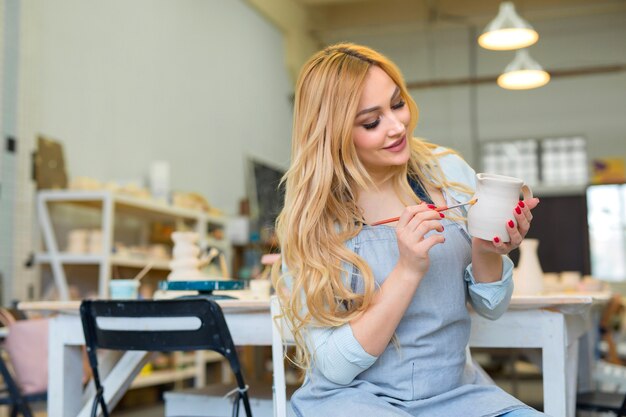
439,209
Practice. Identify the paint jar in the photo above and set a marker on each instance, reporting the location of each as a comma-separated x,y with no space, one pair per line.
124,289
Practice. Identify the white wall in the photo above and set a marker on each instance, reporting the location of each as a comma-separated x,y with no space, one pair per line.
193,82
199,83
593,106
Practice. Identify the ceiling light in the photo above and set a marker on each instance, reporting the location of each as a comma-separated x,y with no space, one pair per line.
507,31
523,73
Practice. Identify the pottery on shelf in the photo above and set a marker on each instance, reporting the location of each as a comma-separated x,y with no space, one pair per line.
185,265
185,250
497,195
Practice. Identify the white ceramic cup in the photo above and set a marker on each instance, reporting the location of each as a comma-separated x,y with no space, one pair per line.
570,280
552,282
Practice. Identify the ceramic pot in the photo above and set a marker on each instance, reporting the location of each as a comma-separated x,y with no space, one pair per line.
185,250
77,241
184,237
528,276
185,265
497,195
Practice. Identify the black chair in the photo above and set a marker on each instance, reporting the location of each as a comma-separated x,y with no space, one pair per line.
12,396
602,402
173,325
608,372
610,380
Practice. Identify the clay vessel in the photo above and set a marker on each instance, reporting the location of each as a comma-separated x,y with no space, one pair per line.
497,195
528,276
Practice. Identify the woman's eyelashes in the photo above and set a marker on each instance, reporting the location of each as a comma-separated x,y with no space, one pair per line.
372,125
398,105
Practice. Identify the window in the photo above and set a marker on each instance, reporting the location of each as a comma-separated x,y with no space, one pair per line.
607,231
513,158
548,161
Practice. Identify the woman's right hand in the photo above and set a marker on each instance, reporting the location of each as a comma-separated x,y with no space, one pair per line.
414,223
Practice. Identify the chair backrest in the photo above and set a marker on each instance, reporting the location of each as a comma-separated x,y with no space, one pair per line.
163,325
281,336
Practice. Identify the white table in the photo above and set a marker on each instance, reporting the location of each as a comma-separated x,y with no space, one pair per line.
552,323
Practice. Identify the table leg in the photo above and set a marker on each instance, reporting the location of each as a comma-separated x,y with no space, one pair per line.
116,383
572,370
65,371
554,354
587,351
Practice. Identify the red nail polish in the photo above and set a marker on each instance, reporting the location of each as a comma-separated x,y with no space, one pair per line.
518,210
511,224
521,204
442,215
431,206
496,239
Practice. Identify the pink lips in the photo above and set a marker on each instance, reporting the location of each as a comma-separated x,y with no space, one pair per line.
397,146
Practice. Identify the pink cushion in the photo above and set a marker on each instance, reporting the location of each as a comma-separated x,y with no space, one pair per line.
27,346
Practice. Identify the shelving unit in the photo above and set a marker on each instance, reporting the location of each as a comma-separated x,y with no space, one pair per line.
188,367
112,206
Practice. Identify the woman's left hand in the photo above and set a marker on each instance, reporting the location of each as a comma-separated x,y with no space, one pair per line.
523,217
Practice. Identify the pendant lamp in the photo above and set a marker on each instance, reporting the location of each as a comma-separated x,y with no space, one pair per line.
507,31
523,73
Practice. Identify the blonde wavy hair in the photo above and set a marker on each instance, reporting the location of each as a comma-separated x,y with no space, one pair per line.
320,211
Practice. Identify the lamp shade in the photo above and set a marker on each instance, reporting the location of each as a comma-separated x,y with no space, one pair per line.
523,73
507,31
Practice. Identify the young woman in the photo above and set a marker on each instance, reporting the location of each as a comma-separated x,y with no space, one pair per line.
379,312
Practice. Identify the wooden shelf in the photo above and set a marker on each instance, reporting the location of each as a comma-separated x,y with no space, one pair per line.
187,370
128,204
163,377
208,356
91,259
160,264
70,258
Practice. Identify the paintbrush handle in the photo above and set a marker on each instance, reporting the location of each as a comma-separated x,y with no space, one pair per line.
393,219
471,202
438,209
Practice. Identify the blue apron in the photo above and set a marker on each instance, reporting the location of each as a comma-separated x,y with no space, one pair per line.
425,374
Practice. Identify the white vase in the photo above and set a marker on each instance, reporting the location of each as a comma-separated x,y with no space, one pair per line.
528,276
497,196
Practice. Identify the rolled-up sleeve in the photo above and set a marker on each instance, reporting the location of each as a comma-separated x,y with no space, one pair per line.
334,350
337,353
491,299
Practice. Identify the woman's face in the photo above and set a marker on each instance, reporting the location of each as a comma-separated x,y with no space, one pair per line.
380,126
